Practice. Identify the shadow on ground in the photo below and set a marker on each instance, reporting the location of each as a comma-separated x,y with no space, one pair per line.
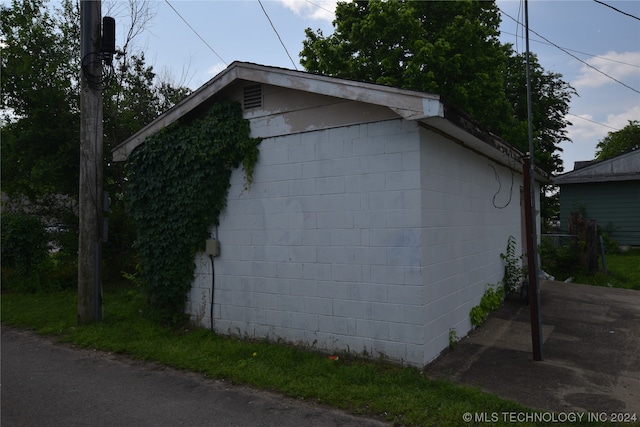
591,351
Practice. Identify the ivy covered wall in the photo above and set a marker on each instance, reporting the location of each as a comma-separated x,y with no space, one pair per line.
177,186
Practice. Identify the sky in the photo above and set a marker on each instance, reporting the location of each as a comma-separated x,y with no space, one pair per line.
188,42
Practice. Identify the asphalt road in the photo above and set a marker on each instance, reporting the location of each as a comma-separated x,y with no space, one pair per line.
48,384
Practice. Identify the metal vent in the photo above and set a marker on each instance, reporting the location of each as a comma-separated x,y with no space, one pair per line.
252,96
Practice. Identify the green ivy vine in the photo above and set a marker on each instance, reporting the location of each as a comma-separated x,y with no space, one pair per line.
178,182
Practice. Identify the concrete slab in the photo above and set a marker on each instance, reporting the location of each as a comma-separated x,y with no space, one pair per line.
591,349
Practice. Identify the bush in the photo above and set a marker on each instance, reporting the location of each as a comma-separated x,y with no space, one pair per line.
560,260
24,249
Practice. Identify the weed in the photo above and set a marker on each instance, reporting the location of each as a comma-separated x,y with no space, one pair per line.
453,338
513,270
490,301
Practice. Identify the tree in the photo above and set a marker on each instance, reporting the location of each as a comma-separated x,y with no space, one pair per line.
550,103
619,142
41,119
40,131
448,48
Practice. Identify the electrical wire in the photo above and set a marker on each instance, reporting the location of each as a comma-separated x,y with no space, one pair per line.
276,31
592,121
617,10
319,7
196,33
573,56
576,51
497,177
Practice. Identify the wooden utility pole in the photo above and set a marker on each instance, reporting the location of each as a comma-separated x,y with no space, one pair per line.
91,195
530,215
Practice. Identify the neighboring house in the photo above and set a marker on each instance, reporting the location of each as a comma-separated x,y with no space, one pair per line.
609,192
374,222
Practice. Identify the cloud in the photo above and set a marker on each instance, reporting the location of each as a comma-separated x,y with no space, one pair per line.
621,66
215,69
587,128
317,10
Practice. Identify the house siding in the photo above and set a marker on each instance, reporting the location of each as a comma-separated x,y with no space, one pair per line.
614,205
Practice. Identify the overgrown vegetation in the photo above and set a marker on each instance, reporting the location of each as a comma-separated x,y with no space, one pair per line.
561,259
399,394
490,302
177,187
24,248
495,294
513,270
623,271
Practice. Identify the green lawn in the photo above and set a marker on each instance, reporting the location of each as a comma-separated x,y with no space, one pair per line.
399,394
623,271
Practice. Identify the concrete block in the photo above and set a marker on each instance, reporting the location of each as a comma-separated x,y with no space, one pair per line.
400,332
302,187
304,321
336,325
289,270
330,185
387,274
301,153
291,303
304,254
346,272
268,301
301,287
405,294
369,145
316,271
314,305
381,163
278,318
372,329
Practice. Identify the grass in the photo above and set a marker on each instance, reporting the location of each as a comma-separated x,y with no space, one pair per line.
400,394
623,271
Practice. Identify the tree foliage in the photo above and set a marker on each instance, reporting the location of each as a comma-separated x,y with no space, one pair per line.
41,117
550,105
448,48
619,142
40,132
178,183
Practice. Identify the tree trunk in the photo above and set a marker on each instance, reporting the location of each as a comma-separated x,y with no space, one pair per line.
587,232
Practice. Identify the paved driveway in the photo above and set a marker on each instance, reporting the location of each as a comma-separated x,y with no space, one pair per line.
45,384
591,349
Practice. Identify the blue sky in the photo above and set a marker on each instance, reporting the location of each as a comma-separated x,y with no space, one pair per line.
599,36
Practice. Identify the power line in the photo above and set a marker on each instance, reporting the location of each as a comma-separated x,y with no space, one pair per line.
276,31
575,57
592,121
617,10
196,33
319,7
578,51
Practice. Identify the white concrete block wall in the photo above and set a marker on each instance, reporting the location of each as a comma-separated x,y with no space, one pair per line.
471,205
377,238
324,248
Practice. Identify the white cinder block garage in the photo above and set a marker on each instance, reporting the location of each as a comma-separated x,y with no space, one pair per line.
374,222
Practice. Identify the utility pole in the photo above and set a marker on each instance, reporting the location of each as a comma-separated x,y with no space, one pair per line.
530,217
91,174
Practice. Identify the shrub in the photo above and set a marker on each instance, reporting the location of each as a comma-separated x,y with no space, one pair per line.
560,260
24,249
